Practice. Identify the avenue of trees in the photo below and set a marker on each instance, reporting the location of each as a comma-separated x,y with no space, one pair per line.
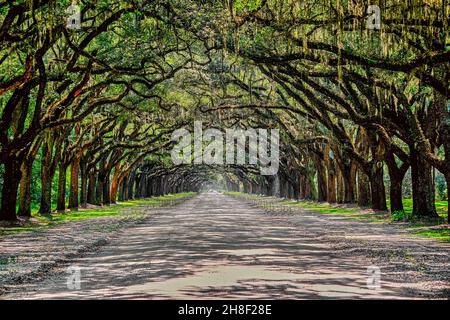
88,114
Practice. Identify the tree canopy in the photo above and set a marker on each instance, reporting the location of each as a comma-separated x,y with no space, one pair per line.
89,112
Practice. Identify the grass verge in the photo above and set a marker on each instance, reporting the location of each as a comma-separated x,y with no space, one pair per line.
429,229
41,222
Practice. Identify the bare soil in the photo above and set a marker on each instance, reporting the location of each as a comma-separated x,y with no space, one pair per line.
214,246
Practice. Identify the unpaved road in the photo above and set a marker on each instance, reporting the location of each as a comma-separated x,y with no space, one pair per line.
214,246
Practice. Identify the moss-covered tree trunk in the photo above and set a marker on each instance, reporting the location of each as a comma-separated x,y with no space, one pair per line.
25,189
107,189
363,190
47,173
422,185
348,177
339,187
396,176
350,191
61,199
92,184
115,185
296,187
378,191
321,181
74,184
99,189
124,189
11,179
84,183
331,181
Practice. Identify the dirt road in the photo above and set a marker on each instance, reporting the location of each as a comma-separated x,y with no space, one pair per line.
215,246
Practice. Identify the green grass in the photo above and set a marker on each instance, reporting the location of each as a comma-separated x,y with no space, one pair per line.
439,234
441,207
372,217
323,208
428,229
46,221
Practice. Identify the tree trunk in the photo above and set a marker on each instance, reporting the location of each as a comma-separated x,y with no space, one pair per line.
396,176
25,190
339,187
348,180
377,189
351,191
310,193
136,183
84,184
74,170
423,186
130,182
302,190
296,187
11,179
123,190
115,185
331,186
321,181
91,196
363,190
46,181
61,200
99,189
107,190
396,196
276,190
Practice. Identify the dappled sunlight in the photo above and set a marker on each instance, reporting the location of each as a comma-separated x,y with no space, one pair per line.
214,246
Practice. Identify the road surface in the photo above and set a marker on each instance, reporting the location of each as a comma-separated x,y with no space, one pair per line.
215,246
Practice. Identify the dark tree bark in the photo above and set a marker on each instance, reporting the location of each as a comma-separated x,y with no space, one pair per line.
25,189
302,183
296,187
363,190
284,187
351,191
378,191
321,181
124,189
137,187
131,181
47,173
348,179
46,189
61,200
11,179
396,176
74,184
106,190
331,185
423,186
84,183
306,188
339,187
92,184
99,190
